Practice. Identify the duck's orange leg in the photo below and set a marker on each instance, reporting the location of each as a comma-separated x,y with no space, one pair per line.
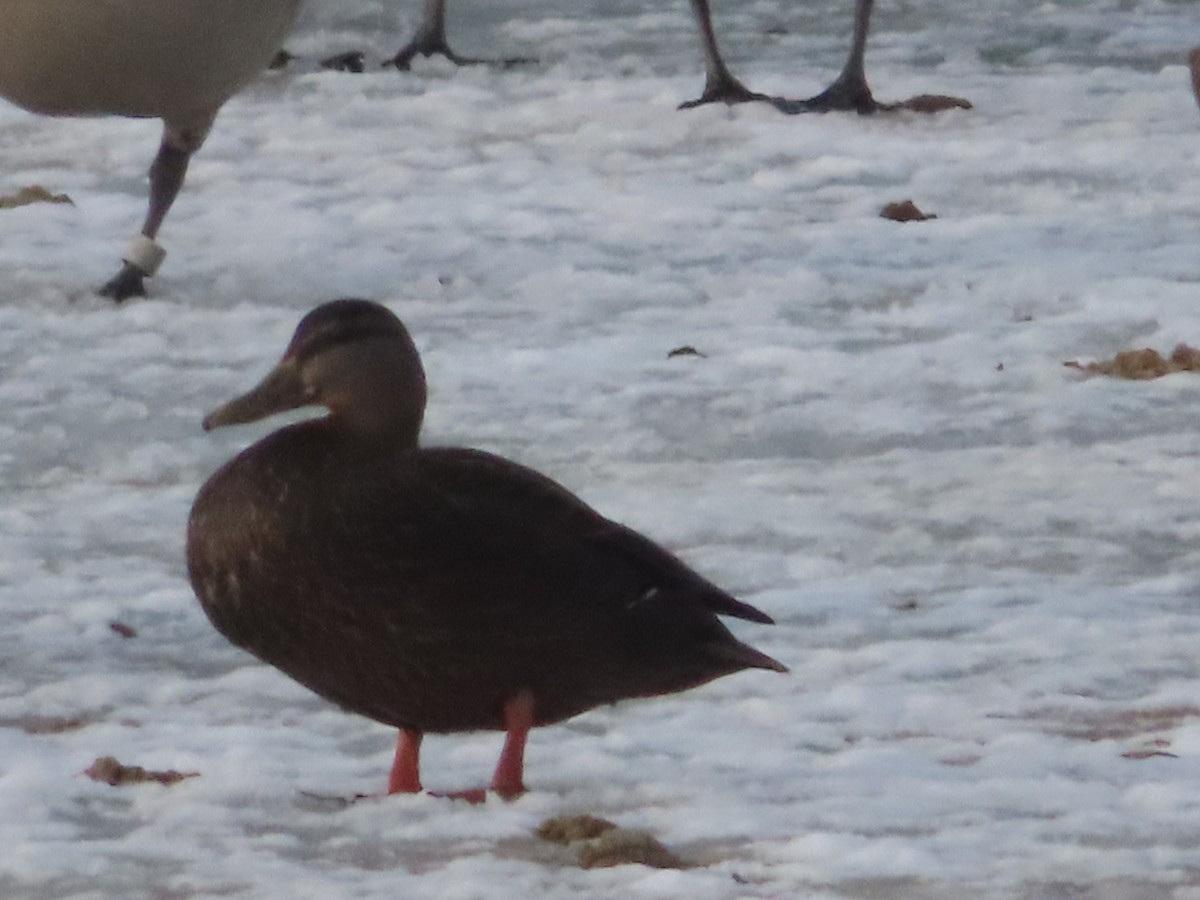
508,782
405,777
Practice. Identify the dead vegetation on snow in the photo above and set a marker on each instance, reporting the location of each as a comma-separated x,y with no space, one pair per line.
599,843
1142,365
112,772
35,193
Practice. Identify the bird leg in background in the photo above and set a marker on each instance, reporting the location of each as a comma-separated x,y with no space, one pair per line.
167,173
1194,64
849,90
405,777
430,40
720,85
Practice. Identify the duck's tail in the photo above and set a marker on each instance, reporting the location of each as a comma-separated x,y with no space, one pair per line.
744,656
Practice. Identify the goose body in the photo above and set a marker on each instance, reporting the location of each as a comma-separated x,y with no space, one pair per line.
434,589
175,60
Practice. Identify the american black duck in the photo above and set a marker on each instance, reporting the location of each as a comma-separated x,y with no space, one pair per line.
433,589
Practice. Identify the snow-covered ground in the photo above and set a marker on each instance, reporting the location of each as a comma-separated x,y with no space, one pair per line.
985,569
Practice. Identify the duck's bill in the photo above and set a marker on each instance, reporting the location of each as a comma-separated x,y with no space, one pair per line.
280,391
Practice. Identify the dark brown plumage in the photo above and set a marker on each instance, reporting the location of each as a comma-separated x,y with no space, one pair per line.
436,589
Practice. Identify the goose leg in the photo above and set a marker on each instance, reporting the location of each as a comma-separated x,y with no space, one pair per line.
720,85
405,777
430,39
849,90
167,172
1194,65
509,781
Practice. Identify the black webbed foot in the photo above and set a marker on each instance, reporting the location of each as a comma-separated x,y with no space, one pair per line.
436,45
844,95
350,61
727,89
128,282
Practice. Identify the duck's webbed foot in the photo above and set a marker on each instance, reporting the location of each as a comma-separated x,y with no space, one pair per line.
128,282
725,88
474,796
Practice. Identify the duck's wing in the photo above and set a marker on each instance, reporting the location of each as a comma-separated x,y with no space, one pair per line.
511,496
671,572
633,601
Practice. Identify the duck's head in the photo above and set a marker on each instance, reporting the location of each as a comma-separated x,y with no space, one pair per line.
355,358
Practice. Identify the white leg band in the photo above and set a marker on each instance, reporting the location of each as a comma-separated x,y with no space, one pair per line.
144,254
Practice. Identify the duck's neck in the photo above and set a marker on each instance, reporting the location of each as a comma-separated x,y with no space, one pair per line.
385,427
